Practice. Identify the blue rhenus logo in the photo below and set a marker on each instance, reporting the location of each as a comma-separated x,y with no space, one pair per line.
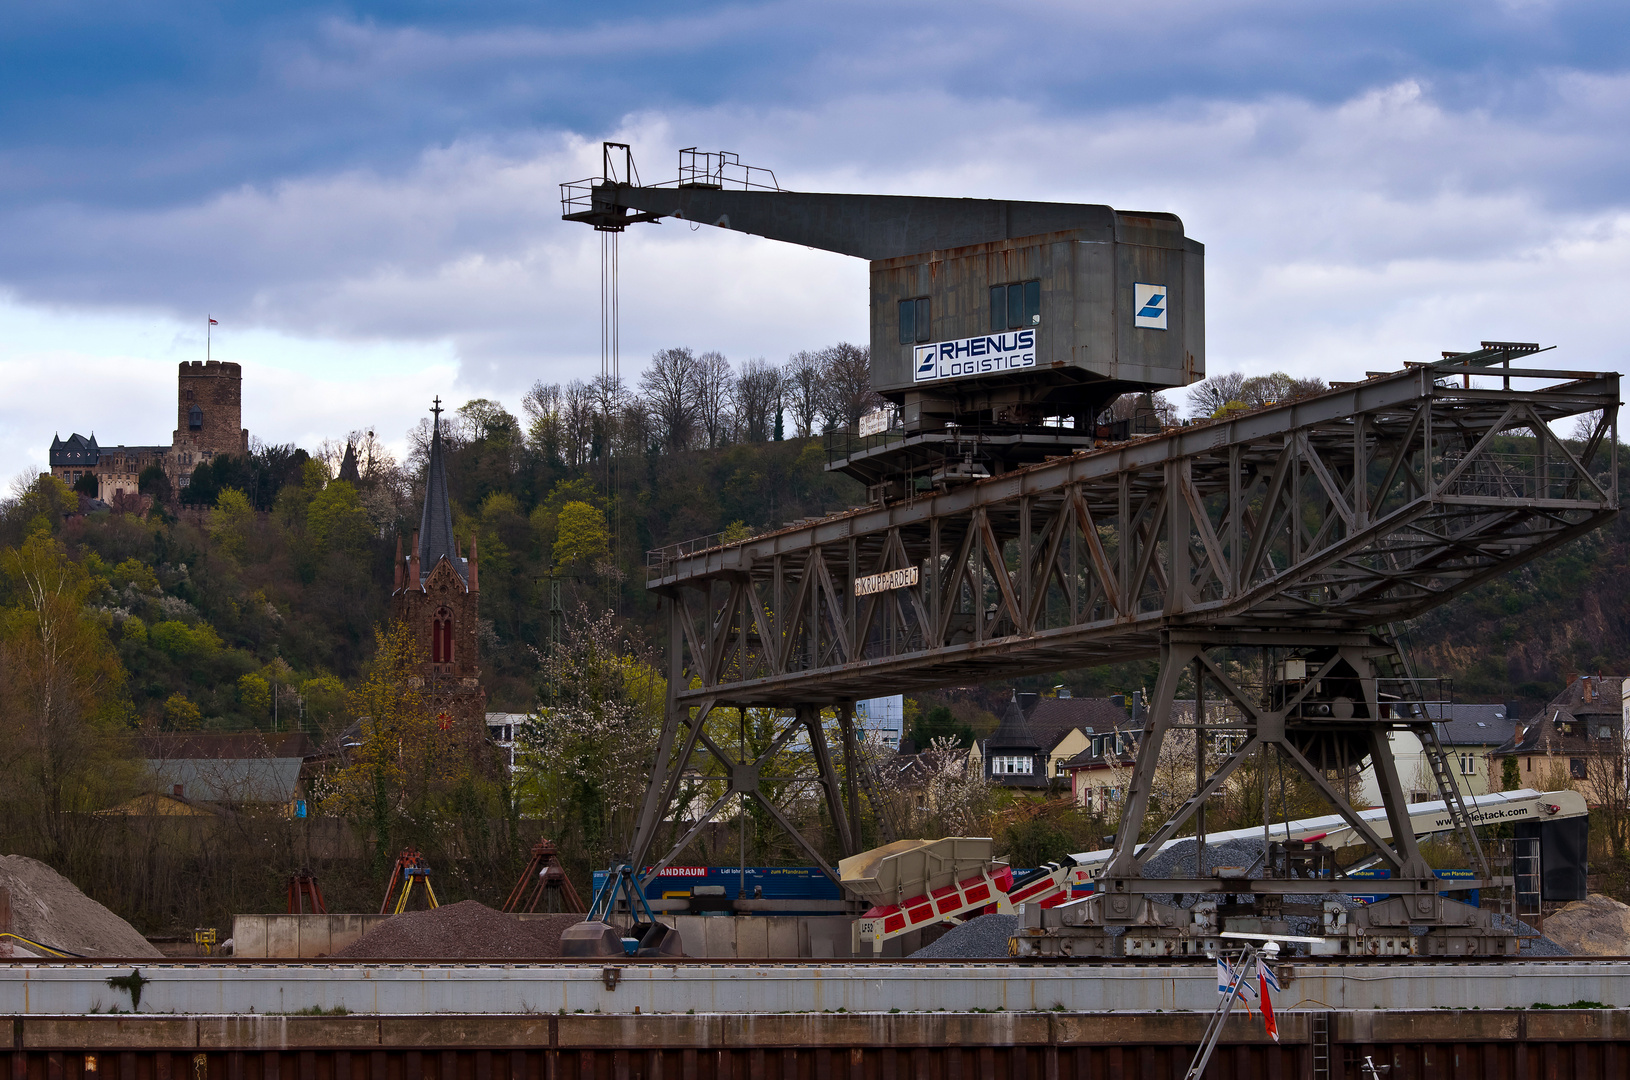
926,367
1149,306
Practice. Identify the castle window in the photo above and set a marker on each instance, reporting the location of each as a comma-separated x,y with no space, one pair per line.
195,418
441,637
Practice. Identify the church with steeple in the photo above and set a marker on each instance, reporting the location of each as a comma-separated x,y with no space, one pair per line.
436,592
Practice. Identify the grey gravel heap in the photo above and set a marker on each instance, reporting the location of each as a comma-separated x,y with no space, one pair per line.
981,938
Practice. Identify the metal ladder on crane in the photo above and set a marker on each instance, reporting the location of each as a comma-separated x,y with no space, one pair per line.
1449,792
1426,730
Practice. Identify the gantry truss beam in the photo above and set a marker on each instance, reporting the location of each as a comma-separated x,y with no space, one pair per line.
1364,505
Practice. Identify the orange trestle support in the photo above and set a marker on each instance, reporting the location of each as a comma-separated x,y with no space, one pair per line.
410,859
303,890
541,875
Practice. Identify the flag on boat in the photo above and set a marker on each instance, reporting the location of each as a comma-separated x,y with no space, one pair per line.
1264,976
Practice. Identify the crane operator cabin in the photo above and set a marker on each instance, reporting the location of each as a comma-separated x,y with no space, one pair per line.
1000,330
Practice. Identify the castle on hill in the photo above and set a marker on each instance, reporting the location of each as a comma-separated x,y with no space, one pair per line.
209,421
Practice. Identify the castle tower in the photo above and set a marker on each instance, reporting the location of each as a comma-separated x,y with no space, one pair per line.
437,594
209,416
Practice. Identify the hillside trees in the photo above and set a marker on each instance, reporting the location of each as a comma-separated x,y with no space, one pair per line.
408,776
585,756
61,684
669,387
847,384
1233,391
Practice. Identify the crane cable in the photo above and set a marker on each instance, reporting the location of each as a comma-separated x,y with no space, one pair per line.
611,380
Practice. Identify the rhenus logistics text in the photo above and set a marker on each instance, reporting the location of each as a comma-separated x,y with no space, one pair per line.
888,579
975,356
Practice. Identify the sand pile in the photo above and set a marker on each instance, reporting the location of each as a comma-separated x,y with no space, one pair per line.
48,908
464,931
1595,926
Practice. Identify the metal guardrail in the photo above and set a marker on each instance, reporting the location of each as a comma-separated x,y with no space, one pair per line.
721,168
658,560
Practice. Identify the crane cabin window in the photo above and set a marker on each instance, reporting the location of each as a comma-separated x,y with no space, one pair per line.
1015,305
915,324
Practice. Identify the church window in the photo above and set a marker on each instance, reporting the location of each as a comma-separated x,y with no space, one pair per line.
441,637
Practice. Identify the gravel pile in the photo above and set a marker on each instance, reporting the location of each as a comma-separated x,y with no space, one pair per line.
1178,860
1530,941
464,931
1595,926
48,908
981,938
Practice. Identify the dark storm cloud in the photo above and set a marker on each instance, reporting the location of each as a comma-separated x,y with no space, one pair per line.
1368,177
148,104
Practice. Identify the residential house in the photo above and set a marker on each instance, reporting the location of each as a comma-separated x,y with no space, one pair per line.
1038,735
504,729
1099,774
1578,738
1469,734
240,768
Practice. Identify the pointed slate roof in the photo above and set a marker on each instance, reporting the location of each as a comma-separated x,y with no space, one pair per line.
436,523
75,450
1014,732
348,465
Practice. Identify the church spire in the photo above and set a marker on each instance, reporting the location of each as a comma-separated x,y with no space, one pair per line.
436,524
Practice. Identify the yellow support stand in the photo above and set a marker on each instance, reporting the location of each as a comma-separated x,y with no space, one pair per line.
410,869
414,877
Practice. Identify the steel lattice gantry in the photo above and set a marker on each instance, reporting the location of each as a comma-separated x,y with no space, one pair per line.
1367,504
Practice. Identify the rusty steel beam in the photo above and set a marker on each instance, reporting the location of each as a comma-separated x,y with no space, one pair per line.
1253,522
1352,509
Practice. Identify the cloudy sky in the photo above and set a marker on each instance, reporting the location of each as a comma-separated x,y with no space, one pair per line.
366,197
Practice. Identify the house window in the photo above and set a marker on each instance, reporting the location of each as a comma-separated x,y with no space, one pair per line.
1468,765
1576,768
915,323
1016,305
1012,765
